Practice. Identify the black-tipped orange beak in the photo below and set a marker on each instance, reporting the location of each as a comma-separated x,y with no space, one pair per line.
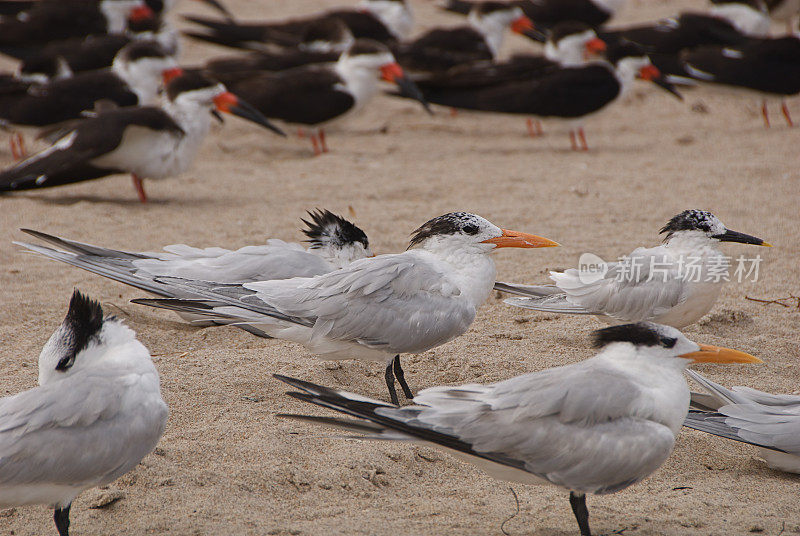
141,13
168,75
392,72
717,354
515,239
219,7
521,25
229,103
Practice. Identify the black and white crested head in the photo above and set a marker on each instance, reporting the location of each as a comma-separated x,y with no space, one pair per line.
80,328
639,334
327,34
693,220
460,225
327,229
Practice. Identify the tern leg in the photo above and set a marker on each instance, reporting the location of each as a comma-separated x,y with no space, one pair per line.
578,503
401,378
785,110
139,185
61,517
582,137
322,141
390,384
765,113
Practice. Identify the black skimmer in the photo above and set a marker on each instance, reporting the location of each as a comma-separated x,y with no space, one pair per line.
53,21
323,42
768,67
440,49
547,13
133,79
153,142
569,93
727,22
316,95
387,21
568,44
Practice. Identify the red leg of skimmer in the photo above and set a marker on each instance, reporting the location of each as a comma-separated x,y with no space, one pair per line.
765,113
572,140
582,136
785,110
139,185
322,142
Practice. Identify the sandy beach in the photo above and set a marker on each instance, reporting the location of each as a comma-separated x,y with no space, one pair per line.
227,466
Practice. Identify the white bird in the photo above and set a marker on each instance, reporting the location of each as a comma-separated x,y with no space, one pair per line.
377,308
335,242
675,283
597,426
96,413
770,422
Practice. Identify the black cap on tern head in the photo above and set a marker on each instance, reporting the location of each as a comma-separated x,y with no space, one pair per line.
705,222
638,334
448,224
329,229
82,323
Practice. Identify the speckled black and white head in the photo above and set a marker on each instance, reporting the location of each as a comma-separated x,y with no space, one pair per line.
74,344
334,238
327,35
648,339
394,14
695,224
572,43
470,231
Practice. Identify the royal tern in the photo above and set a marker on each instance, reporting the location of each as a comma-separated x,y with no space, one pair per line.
96,413
334,242
153,142
597,426
377,308
675,283
387,21
770,422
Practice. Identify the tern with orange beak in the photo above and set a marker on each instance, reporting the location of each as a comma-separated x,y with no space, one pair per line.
377,308
317,95
593,427
153,142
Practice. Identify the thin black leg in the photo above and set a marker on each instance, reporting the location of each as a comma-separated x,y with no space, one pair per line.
401,378
61,517
390,384
578,503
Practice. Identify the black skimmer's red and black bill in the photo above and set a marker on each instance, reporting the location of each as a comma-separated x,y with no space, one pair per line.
387,21
569,93
731,22
547,13
53,21
150,142
440,49
134,79
767,67
323,42
316,95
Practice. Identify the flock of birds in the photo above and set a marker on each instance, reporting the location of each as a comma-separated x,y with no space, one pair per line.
112,98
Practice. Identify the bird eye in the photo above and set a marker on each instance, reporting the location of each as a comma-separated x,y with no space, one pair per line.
471,229
668,342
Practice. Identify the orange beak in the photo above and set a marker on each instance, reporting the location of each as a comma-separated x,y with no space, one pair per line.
717,354
171,74
595,46
521,24
649,72
515,239
392,72
141,13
